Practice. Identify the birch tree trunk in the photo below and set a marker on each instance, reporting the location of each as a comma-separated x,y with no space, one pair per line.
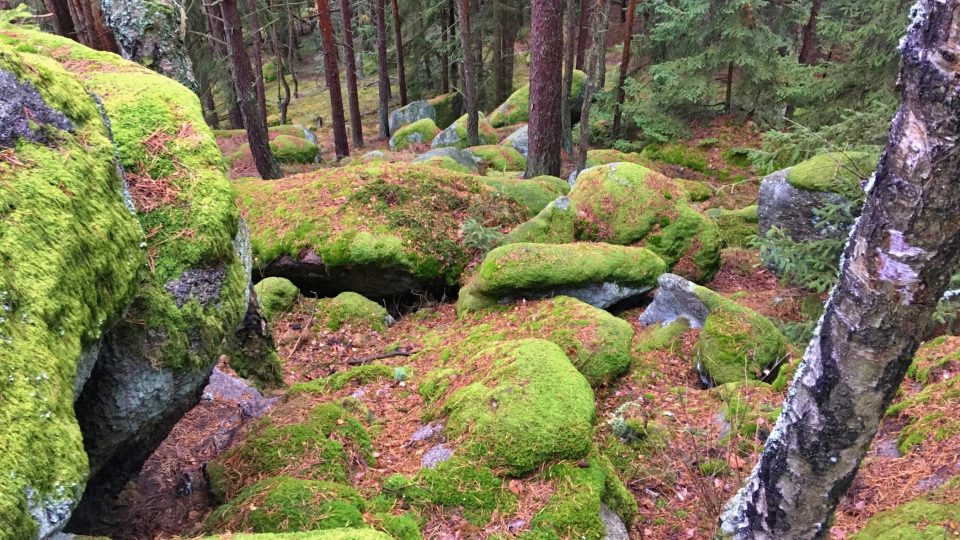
246,93
896,266
331,73
546,59
469,74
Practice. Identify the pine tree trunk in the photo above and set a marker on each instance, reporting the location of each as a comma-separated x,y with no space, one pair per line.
451,24
598,25
218,41
383,68
331,73
283,89
808,45
293,49
401,73
257,58
583,34
624,69
469,74
351,62
505,16
728,93
546,59
246,93
897,265
445,57
62,21
570,49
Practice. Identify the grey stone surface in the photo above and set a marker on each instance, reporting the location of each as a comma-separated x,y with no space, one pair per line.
518,140
416,110
435,456
412,138
792,210
447,137
616,530
373,155
598,295
674,299
426,432
24,113
463,157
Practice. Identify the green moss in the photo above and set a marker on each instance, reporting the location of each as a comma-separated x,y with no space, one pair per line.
472,487
448,163
499,158
698,191
555,224
515,110
69,261
284,504
838,172
293,149
736,343
662,338
420,132
573,511
933,517
485,131
929,414
625,203
353,309
391,216
329,534
322,446
448,107
529,269
737,227
277,295
360,375
533,194
675,154
606,156
402,527
544,408
744,403
286,129
713,467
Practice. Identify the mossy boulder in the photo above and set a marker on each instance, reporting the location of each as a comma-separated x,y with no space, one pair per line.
419,132
815,200
350,308
324,442
277,295
555,224
455,135
606,156
191,291
499,158
285,504
515,110
447,107
628,204
453,159
69,249
413,112
738,228
533,194
544,410
735,343
288,149
382,230
689,157
518,140
599,274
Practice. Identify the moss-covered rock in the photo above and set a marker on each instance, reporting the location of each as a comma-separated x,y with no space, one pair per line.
599,274
735,343
555,224
544,408
456,134
625,203
277,295
837,172
533,194
379,229
448,107
411,113
194,282
284,504
420,132
321,442
690,157
606,156
293,149
350,308
329,534
515,110
737,228
70,257
929,415
499,158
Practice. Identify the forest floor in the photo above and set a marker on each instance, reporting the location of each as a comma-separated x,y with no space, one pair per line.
680,486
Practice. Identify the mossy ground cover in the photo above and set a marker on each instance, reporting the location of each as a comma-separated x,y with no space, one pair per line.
486,133
391,215
606,156
838,172
533,194
349,308
515,110
499,158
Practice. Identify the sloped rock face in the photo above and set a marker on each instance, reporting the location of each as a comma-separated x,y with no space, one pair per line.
456,134
518,140
126,324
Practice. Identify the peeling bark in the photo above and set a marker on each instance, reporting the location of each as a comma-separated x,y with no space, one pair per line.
897,265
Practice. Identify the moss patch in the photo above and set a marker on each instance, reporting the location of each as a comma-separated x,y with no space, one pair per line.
515,110
330,534
933,517
737,227
499,158
277,295
838,172
352,309
448,107
533,194
526,270
420,132
930,414
606,156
